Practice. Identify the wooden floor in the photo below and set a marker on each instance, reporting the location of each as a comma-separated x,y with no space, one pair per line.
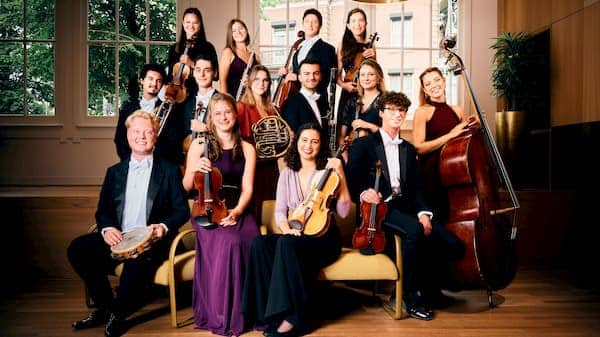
540,302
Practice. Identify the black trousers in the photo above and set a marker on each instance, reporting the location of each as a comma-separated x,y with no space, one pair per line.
423,257
280,272
90,257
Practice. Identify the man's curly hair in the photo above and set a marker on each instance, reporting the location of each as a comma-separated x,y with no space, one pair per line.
393,98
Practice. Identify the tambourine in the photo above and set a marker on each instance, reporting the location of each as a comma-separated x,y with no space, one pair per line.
134,243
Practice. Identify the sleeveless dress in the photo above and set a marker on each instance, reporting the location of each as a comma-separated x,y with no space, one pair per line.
371,114
442,121
221,258
236,72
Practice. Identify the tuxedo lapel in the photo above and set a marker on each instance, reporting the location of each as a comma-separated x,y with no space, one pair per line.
155,179
120,188
402,156
380,153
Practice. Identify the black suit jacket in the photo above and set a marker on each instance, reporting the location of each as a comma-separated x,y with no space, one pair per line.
296,111
169,143
166,201
325,54
362,156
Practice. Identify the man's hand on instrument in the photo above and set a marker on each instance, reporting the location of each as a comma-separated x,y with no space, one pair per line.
112,236
197,126
425,220
370,196
158,231
291,77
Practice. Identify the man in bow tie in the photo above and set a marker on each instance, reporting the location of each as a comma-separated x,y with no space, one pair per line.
401,188
306,106
168,145
143,191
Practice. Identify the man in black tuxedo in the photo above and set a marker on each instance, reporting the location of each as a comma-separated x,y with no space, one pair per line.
168,145
143,191
306,106
401,188
313,47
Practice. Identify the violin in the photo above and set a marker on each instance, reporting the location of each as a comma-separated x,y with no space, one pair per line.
472,171
175,91
208,209
312,216
199,114
352,74
369,237
286,89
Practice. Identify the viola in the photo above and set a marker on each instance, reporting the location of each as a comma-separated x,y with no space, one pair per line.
369,237
352,74
312,216
478,216
286,89
208,209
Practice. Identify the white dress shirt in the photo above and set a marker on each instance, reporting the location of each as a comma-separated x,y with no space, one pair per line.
306,46
136,193
312,101
148,105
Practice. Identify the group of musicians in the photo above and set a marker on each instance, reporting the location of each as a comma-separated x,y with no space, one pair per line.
244,280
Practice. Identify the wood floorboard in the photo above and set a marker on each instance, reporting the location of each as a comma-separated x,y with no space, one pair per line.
540,302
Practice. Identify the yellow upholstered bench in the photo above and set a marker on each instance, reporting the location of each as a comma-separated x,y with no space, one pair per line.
351,265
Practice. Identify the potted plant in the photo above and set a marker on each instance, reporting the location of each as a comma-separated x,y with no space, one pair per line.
511,81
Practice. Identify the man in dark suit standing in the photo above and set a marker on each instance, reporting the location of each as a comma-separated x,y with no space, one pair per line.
168,145
313,47
143,191
306,106
401,188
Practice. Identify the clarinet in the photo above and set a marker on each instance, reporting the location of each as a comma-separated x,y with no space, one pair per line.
333,144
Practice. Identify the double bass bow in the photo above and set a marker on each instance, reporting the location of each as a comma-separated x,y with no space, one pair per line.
208,209
369,237
477,217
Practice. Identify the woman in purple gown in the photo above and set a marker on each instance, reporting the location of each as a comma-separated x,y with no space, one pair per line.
222,253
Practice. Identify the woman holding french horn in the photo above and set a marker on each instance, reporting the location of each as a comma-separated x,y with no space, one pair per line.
261,125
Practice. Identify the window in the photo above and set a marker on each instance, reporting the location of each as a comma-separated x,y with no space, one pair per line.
27,44
278,56
401,30
123,36
409,33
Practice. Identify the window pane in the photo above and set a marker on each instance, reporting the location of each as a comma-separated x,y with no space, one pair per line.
12,83
11,25
163,20
132,20
131,60
159,54
40,19
101,95
40,79
101,20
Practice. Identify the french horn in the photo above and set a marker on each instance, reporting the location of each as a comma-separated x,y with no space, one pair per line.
272,137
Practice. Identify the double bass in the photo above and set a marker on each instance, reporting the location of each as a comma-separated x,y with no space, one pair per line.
286,89
369,237
478,215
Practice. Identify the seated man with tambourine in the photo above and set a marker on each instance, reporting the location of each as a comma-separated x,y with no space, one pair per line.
145,191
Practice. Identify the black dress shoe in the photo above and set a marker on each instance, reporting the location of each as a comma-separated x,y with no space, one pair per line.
419,311
115,326
95,318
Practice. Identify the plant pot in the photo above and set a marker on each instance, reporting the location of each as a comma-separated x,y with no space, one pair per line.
510,135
